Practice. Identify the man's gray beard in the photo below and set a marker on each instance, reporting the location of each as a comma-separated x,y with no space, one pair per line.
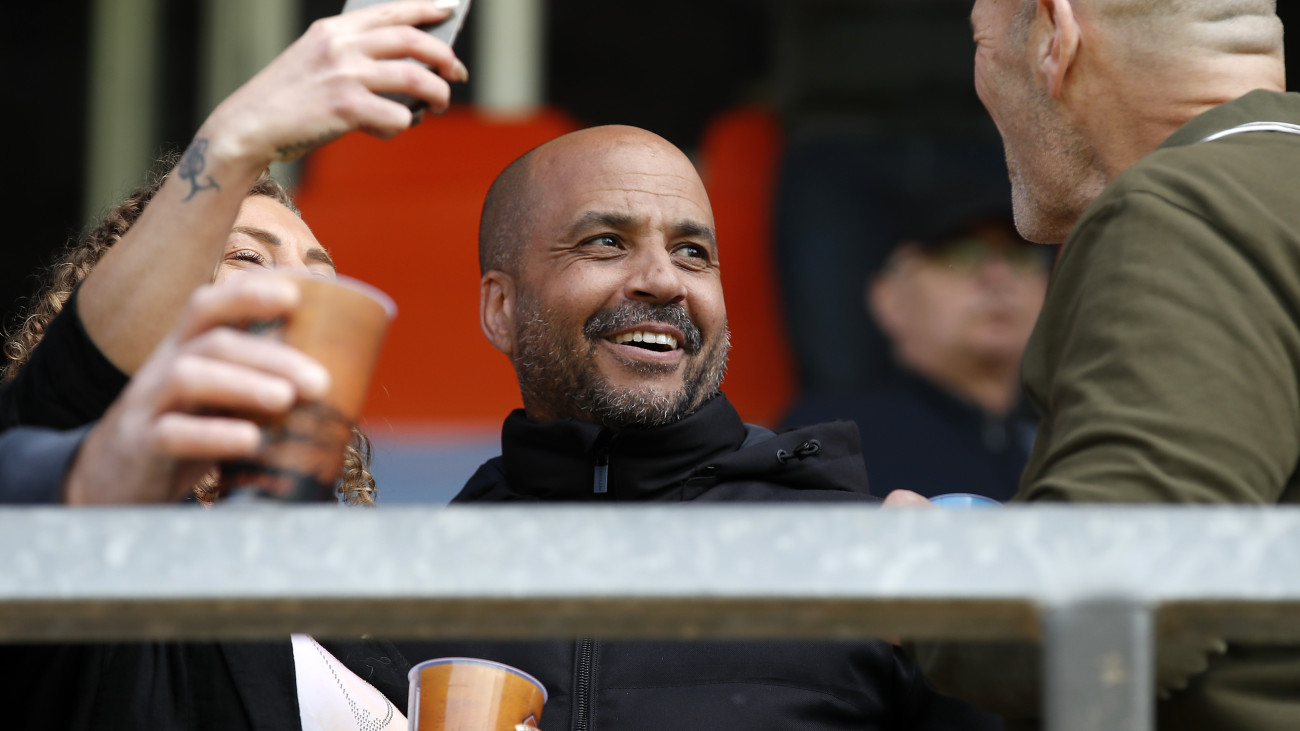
560,378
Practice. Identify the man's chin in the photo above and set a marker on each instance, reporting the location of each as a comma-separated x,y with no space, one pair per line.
639,405
651,385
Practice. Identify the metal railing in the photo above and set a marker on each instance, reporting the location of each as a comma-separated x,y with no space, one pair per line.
1097,585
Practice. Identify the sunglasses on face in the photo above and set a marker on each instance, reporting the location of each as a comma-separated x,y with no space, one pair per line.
967,254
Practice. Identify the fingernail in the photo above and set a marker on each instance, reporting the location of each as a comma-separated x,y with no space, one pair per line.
459,72
446,4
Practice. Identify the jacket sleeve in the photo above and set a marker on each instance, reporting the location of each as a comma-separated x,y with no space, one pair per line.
1166,370
34,461
68,382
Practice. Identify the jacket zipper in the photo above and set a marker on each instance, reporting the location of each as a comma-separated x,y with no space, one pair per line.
601,483
601,449
584,684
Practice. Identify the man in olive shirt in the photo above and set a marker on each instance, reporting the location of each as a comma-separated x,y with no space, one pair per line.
1154,139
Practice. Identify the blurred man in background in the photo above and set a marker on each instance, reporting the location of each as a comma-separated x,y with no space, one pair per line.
957,300
877,115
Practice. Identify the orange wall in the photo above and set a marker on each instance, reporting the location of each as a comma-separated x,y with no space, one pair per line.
738,161
402,214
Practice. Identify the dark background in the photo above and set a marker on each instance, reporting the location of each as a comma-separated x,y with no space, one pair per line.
667,66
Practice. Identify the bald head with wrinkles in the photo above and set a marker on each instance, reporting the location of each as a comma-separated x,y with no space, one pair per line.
1082,89
601,280
1180,29
520,191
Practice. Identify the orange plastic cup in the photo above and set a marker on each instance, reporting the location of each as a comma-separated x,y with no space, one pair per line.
341,323
468,694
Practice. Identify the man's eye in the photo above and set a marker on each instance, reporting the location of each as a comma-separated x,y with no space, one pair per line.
602,240
694,251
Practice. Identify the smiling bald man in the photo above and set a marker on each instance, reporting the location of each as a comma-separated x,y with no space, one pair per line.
601,284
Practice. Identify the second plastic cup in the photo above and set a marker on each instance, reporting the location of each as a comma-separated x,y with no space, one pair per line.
468,694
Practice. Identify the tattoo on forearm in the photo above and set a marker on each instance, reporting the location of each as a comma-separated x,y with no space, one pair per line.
192,165
295,150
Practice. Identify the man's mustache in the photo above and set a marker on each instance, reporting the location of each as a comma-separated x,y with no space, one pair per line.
633,313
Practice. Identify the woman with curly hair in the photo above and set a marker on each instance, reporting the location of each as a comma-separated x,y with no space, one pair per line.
131,334
258,239
336,78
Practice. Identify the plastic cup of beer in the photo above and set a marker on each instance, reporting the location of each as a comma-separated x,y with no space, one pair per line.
468,694
341,323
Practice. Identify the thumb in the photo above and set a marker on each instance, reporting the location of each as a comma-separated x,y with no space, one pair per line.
906,498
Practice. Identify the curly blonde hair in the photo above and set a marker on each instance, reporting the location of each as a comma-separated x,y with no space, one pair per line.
356,486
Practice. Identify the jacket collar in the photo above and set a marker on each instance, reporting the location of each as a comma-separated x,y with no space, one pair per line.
1258,105
559,461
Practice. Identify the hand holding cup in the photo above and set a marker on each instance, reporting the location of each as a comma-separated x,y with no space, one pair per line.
341,324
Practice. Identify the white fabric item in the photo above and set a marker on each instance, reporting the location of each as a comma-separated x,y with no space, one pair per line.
333,698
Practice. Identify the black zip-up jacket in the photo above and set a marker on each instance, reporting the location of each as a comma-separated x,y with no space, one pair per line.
710,456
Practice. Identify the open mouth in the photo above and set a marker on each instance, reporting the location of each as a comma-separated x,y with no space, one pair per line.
657,342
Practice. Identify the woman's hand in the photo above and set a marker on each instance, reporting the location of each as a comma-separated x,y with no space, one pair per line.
162,435
328,83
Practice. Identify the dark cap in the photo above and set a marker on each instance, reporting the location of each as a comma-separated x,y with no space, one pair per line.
955,209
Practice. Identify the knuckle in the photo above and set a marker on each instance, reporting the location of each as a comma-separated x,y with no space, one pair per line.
386,13
411,75
409,35
323,27
186,369
334,48
347,106
216,340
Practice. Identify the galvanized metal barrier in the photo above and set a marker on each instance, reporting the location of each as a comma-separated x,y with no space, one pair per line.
1097,585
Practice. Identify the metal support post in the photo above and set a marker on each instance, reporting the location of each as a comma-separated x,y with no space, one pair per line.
1098,666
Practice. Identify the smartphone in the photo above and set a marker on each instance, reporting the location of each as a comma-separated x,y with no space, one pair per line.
446,31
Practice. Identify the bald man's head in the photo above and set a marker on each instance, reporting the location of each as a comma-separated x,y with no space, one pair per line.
505,217
1082,89
1216,27
601,279
519,190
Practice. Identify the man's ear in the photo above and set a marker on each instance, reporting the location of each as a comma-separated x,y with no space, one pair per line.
1055,43
881,295
496,310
